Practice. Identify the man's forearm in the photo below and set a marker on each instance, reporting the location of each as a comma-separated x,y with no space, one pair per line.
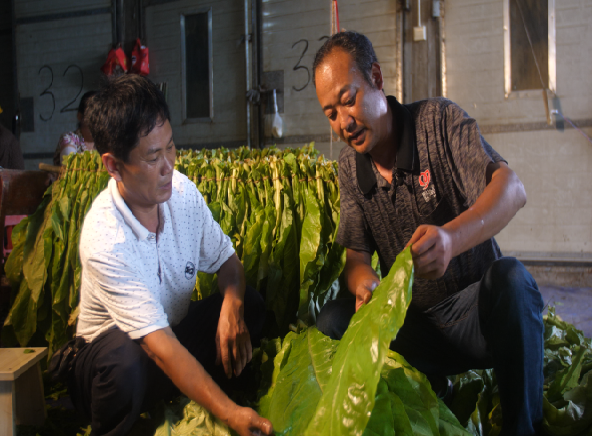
231,278
187,373
497,205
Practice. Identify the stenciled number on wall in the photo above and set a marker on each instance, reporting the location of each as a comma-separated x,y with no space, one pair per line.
67,108
48,92
298,65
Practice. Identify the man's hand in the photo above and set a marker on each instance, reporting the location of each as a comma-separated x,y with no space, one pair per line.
361,279
245,421
432,250
191,378
233,344
364,292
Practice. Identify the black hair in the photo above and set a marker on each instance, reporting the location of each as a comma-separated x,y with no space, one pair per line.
84,100
123,110
356,45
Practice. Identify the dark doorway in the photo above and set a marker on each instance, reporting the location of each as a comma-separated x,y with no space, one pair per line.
7,79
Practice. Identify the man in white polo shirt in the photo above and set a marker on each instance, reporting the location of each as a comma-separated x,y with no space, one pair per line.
141,245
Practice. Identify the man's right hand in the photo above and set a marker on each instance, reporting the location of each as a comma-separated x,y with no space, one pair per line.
361,279
192,380
364,291
245,421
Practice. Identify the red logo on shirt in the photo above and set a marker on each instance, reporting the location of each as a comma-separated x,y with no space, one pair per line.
424,179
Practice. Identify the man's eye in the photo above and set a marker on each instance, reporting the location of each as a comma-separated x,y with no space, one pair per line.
350,101
331,116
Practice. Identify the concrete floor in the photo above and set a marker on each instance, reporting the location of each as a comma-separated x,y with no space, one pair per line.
573,304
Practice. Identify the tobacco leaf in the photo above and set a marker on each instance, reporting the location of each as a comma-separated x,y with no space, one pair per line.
356,369
300,377
326,387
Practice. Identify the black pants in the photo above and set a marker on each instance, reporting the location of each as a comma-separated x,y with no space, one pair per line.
113,380
494,323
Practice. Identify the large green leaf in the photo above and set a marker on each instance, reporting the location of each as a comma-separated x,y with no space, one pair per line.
568,378
14,263
414,390
356,369
573,417
283,283
252,248
316,394
266,240
186,417
36,257
311,257
448,423
304,368
381,421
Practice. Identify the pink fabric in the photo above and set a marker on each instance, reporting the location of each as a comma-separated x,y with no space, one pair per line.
10,221
73,139
13,220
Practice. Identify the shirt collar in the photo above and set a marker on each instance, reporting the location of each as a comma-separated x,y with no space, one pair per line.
404,124
139,230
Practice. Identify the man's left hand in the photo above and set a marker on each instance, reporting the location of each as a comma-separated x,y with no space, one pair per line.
233,344
432,250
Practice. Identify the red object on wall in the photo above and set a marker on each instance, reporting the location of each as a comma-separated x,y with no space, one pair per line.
140,59
115,57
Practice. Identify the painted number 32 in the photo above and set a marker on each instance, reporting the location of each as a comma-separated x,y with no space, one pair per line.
47,91
298,65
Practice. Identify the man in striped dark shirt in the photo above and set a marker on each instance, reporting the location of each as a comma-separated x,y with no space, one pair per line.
421,175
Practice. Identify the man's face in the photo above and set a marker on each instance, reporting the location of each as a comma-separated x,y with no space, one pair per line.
146,179
355,109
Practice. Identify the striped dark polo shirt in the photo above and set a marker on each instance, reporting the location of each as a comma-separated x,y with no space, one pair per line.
440,172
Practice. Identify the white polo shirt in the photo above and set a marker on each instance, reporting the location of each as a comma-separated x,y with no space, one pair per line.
139,281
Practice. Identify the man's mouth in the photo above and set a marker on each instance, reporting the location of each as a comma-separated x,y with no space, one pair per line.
355,137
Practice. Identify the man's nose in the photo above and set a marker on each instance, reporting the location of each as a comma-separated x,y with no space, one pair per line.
346,121
168,166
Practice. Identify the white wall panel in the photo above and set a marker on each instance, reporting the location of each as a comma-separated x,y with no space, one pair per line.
554,166
164,40
81,41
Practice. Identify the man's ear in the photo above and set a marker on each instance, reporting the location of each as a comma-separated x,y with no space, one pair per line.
112,165
377,76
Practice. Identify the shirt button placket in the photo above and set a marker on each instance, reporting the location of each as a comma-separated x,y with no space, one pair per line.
152,238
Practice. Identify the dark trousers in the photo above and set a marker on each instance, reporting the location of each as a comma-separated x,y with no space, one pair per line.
113,380
494,323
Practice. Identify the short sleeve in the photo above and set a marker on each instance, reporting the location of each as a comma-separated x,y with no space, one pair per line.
469,153
215,245
66,139
352,230
133,307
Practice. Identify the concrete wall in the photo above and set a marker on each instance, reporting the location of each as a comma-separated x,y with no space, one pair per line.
287,23
554,165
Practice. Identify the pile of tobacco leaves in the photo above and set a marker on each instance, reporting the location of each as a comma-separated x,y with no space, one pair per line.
281,210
